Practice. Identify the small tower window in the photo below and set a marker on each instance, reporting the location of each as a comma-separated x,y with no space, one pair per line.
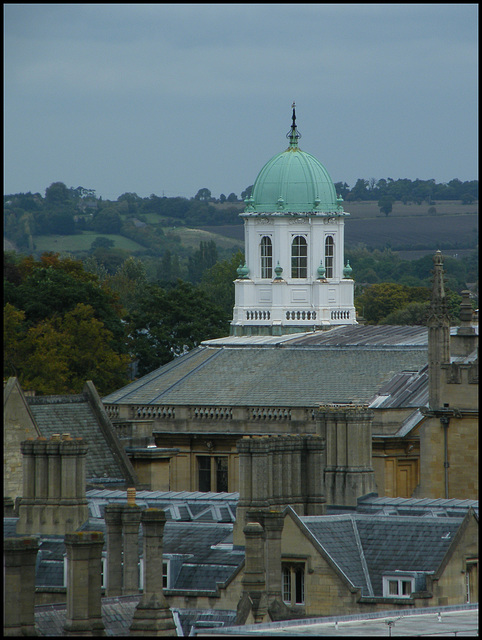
266,257
299,257
329,256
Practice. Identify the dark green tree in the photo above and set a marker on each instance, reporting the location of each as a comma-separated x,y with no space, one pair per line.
57,194
170,322
385,204
203,258
204,195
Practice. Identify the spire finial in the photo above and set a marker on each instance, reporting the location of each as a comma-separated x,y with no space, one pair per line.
293,134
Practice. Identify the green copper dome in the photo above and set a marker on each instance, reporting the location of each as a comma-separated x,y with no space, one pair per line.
293,182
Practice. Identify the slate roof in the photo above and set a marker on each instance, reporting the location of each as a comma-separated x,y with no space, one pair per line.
74,414
118,612
380,545
304,370
439,507
405,389
177,505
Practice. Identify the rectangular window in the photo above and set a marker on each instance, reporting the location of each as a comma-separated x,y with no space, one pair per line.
395,587
165,574
266,257
299,257
472,580
329,257
293,583
212,473
287,585
204,473
221,473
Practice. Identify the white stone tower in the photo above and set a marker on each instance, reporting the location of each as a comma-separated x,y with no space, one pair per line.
294,278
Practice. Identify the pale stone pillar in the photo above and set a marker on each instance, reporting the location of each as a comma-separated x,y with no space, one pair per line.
273,526
19,557
131,518
27,449
41,468
95,583
296,497
259,449
254,578
286,471
277,470
243,447
315,463
113,522
153,615
84,557
69,467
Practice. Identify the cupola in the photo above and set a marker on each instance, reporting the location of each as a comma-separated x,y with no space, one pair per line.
293,181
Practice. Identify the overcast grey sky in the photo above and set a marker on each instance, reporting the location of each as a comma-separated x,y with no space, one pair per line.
170,98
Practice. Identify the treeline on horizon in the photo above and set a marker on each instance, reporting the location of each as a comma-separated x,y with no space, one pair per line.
67,211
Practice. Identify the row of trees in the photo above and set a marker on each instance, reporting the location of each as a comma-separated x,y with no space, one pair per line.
65,324
407,191
67,211
66,321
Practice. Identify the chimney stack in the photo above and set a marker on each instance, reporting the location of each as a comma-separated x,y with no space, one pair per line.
153,615
84,583
19,558
54,500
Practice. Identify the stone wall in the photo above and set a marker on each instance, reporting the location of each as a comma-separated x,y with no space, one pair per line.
18,425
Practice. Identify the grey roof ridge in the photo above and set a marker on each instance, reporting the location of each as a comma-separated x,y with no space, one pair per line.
362,557
175,363
215,354
317,544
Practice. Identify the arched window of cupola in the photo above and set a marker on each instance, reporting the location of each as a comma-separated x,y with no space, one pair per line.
299,257
329,256
266,257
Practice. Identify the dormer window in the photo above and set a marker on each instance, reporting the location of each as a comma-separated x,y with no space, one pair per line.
299,257
398,586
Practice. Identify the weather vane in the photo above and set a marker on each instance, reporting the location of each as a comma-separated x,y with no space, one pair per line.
293,134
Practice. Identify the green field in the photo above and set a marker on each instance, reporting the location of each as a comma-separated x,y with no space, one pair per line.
191,238
82,242
408,228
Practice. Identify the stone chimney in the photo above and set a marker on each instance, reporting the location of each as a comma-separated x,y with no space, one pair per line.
131,518
54,500
254,599
347,430
465,341
84,583
280,470
438,323
152,616
122,528
19,558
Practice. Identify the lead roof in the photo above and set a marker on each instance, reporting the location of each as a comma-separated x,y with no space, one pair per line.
302,371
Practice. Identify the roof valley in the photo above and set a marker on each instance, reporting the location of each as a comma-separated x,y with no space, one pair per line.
362,557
